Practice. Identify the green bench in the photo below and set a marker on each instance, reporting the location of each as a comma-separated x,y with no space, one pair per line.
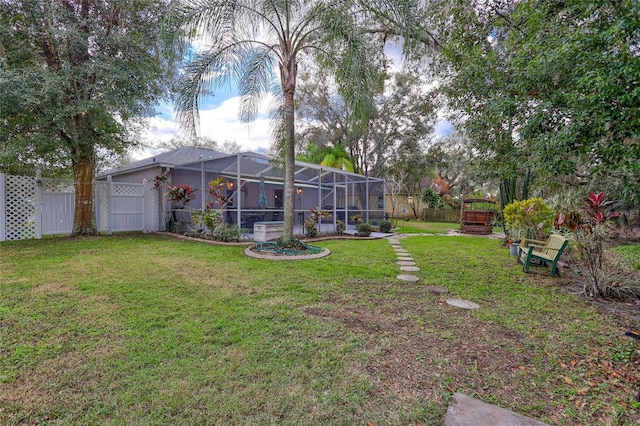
542,253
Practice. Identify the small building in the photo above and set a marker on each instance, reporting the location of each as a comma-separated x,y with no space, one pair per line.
254,186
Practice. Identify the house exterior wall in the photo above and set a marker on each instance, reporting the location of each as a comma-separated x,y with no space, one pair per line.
401,202
137,176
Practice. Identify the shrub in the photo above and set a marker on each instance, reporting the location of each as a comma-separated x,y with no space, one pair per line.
311,228
385,226
340,227
181,194
210,224
364,229
527,218
603,277
227,232
432,199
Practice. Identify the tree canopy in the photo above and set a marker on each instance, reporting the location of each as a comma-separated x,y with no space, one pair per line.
549,88
76,78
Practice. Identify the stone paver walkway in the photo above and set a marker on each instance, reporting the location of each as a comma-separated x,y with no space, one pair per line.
463,411
405,261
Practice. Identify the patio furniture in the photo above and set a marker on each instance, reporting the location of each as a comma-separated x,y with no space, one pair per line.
542,253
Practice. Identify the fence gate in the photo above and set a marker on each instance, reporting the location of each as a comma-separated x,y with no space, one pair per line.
32,206
57,206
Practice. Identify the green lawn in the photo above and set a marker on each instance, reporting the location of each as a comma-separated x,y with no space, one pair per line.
414,227
631,254
146,329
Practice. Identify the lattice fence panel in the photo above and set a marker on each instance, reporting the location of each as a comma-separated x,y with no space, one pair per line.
21,207
127,189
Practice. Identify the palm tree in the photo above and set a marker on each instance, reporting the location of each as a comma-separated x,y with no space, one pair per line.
330,156
244,40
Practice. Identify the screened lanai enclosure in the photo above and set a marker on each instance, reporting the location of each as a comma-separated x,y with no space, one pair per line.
253,185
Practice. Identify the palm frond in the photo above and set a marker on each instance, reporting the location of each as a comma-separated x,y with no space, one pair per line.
205,71
255,74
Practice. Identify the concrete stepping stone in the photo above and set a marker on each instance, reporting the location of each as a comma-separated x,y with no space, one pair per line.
464,304
406,263
405,259
408,278
437,290
409,268
402,252
467,411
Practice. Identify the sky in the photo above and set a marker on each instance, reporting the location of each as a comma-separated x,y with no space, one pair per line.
219,119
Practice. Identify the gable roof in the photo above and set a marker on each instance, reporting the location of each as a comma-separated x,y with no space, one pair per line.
170,159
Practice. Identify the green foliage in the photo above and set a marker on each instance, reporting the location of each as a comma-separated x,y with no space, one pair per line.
331,156
385,226
364,229
432,199
77,79
526,218
603,276
311,228
340,227
215,227
227,232
558,76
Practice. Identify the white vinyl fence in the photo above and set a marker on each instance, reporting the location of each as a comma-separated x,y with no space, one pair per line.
31,207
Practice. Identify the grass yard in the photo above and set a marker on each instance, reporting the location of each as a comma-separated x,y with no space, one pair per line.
145,329
631,253
415,227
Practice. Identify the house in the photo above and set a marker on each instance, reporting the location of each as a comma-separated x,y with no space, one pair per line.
254,186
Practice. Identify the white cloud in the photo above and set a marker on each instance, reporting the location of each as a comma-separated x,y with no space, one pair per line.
220,123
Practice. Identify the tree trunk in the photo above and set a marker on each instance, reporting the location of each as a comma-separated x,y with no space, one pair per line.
84,222
288,71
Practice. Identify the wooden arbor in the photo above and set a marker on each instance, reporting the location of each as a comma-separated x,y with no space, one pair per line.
474,218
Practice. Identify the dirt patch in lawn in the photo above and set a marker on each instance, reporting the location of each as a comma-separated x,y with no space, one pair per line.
422,350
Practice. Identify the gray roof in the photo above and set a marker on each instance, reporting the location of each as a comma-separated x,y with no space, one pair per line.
171,159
